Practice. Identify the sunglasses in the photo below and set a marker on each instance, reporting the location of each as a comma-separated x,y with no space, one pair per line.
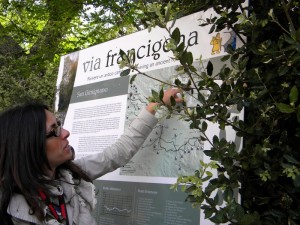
56,131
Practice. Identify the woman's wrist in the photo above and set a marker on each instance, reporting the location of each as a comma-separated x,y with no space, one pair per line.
152,107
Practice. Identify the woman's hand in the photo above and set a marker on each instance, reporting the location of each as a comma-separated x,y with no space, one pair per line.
152,106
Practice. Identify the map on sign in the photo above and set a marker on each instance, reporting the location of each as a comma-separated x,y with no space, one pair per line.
172,148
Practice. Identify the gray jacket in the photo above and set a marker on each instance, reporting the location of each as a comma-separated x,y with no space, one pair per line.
80,199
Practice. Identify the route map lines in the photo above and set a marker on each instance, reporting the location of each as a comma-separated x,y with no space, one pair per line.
158,143
172,148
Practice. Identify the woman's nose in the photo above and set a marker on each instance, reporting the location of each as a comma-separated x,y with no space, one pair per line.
65,133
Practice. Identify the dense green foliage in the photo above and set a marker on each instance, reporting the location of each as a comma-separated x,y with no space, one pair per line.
261,77
35,33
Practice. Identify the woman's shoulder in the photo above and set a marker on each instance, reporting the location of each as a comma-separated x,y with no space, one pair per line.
19,208
17,200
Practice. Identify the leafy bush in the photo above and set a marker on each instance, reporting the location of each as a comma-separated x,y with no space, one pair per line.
263,79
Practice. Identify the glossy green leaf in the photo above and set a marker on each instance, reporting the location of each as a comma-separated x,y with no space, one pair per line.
176,35
132,79
284,108
189,58
125,72
293,94
168,12
209,68
204,126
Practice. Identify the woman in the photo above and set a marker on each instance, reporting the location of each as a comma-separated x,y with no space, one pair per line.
39,181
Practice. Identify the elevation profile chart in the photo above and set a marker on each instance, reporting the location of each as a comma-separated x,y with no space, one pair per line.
116,204
134,203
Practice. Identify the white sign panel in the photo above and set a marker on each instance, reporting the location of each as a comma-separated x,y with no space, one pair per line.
98,104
